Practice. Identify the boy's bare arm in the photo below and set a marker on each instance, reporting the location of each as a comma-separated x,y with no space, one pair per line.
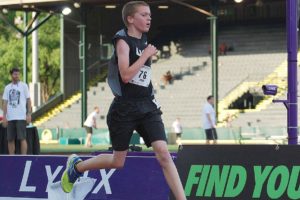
128,72
210,120
4,112
94,122
29,110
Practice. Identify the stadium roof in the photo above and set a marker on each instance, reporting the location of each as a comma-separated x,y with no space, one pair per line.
57,5
33,5
52,5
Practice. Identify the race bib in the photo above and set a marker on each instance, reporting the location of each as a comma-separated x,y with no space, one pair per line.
143,77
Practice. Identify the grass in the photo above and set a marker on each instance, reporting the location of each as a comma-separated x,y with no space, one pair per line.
81,149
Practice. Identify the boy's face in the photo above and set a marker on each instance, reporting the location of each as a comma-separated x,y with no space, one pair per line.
15,76
141,19
211,101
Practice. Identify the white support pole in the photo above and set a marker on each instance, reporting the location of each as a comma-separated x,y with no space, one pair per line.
35,89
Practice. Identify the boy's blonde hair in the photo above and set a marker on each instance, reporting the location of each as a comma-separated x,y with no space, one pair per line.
129,9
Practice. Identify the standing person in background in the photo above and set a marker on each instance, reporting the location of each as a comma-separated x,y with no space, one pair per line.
209,120
16,111
134,106
177,128
89,124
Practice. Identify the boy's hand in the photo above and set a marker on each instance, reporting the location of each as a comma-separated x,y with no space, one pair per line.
150,50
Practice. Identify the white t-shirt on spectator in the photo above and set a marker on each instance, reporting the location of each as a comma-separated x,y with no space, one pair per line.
89,122
208,109
16,96
177,126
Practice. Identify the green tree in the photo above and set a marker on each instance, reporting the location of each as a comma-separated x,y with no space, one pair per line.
11,56
11,53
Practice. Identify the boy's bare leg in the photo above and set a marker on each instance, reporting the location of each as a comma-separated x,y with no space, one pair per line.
23,147
103,161
75,166
11,147
169,169
88,140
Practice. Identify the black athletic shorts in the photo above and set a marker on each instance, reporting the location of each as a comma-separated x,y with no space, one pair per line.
142,115
16,129
211,134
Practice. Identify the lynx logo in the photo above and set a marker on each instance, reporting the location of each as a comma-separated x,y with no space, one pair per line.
139,52
53,173
230,180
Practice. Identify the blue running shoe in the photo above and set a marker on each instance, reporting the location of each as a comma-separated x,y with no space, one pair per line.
70,175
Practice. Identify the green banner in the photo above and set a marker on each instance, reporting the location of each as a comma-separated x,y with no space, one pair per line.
240,171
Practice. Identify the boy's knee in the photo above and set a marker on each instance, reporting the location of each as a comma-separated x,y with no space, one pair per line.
23,141
163,156
117,164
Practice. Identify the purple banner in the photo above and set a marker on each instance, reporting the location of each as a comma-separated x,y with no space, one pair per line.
27,177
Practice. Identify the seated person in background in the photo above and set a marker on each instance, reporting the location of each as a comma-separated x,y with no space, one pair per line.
223,49
167,78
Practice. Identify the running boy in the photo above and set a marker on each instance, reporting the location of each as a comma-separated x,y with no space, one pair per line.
134,106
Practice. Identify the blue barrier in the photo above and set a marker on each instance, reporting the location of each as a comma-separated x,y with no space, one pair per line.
28,177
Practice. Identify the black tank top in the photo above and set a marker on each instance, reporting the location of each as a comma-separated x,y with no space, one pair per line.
140,86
